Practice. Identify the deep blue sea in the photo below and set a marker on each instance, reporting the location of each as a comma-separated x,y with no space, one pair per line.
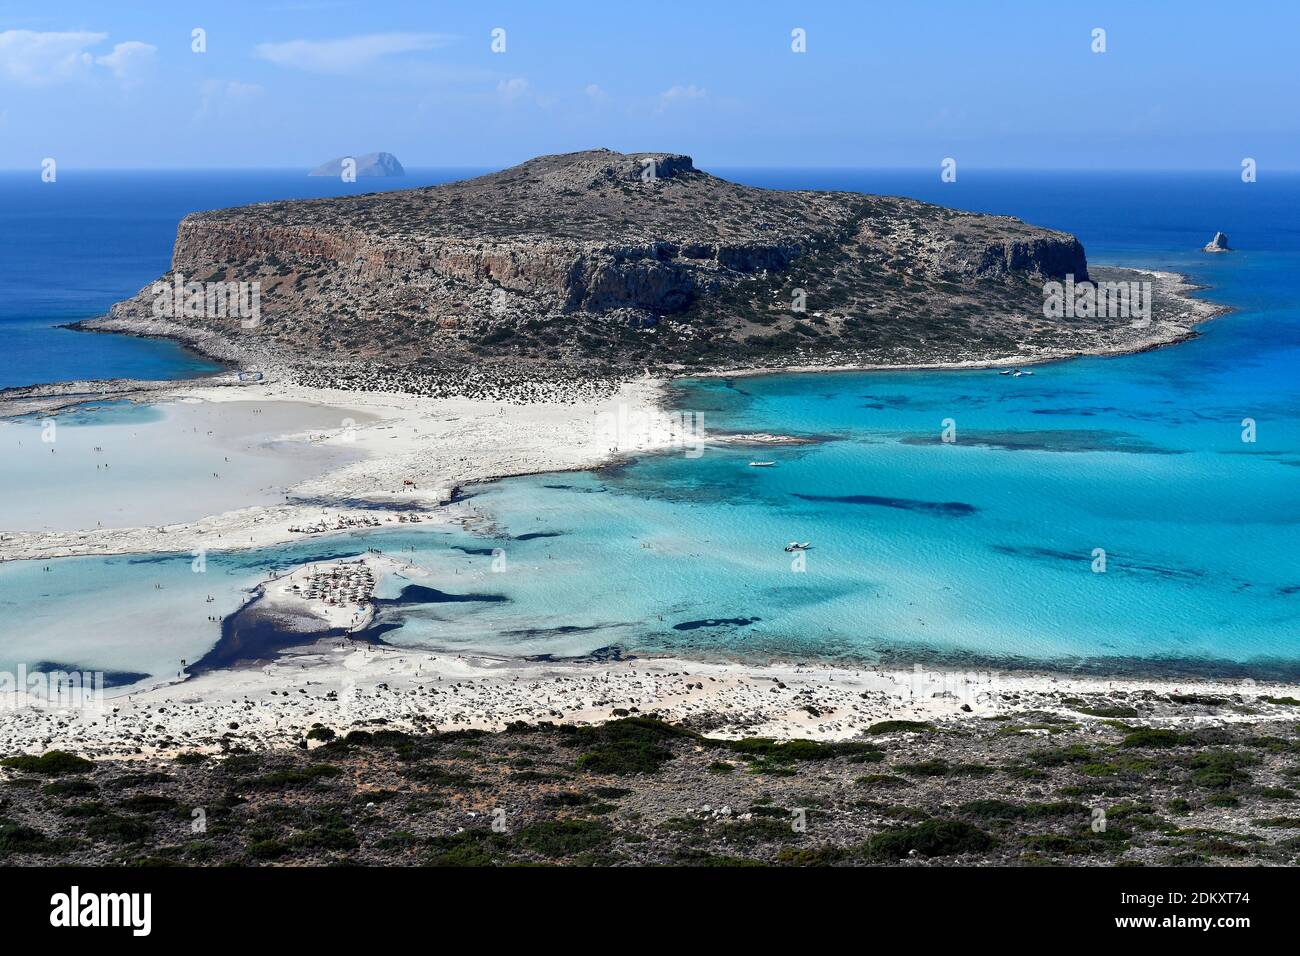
981,551
71,248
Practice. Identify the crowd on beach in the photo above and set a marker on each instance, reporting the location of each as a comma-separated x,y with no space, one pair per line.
349,522
517,384
344,583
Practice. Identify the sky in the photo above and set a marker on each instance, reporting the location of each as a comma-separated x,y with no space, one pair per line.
1193,84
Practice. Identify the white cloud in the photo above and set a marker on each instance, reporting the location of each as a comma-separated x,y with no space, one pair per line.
512,89
347,54
221,97
679,94
42,59
595,93
47,59
129,61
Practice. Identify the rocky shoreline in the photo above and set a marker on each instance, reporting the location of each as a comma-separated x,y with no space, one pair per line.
1176,313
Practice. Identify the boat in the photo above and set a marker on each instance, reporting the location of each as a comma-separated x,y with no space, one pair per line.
796,546
1005,371
761,464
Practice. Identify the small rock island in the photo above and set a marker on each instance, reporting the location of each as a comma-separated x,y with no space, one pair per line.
370,165
1218,244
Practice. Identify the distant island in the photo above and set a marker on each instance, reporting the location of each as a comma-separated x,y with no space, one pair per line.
371,165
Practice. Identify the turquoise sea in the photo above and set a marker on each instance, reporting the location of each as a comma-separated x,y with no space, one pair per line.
975,552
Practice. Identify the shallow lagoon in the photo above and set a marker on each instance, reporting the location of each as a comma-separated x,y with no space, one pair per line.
979,551
120,465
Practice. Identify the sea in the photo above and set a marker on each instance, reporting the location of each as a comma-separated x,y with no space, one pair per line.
1126,515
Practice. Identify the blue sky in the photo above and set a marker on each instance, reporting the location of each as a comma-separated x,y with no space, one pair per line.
1186,85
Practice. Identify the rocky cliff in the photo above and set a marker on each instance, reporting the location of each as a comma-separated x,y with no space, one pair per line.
619,259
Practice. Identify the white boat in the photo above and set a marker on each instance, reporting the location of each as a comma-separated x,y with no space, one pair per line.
761,464
1005,371
796,546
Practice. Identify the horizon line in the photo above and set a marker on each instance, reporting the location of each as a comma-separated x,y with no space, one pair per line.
305,169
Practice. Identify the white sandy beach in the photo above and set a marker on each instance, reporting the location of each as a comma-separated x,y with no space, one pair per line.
408,451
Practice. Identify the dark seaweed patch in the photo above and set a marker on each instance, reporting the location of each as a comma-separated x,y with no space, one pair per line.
419,594
948,509
1061,440
715,622
111,678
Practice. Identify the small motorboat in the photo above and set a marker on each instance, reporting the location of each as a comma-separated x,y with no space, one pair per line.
796,546
761,464
1005,371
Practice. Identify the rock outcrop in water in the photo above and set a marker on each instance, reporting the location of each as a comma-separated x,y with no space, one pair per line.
1218,244
625,260
368,166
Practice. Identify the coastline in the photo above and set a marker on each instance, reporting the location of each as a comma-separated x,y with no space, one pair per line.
562,434
1166,330
338,683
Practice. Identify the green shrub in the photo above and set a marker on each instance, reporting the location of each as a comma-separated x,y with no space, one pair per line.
790,751
1004,810
17,838
147,803
899,726
467,848
54,763
1158,737
627,746
1220,769
561,838
76,787
931,838
293,778
122,829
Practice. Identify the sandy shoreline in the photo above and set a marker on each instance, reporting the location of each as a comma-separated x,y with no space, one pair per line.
342,685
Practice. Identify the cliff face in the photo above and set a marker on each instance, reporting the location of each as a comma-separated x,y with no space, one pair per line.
559,257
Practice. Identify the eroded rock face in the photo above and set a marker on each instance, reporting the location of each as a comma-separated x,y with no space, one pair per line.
1218,244
546,258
